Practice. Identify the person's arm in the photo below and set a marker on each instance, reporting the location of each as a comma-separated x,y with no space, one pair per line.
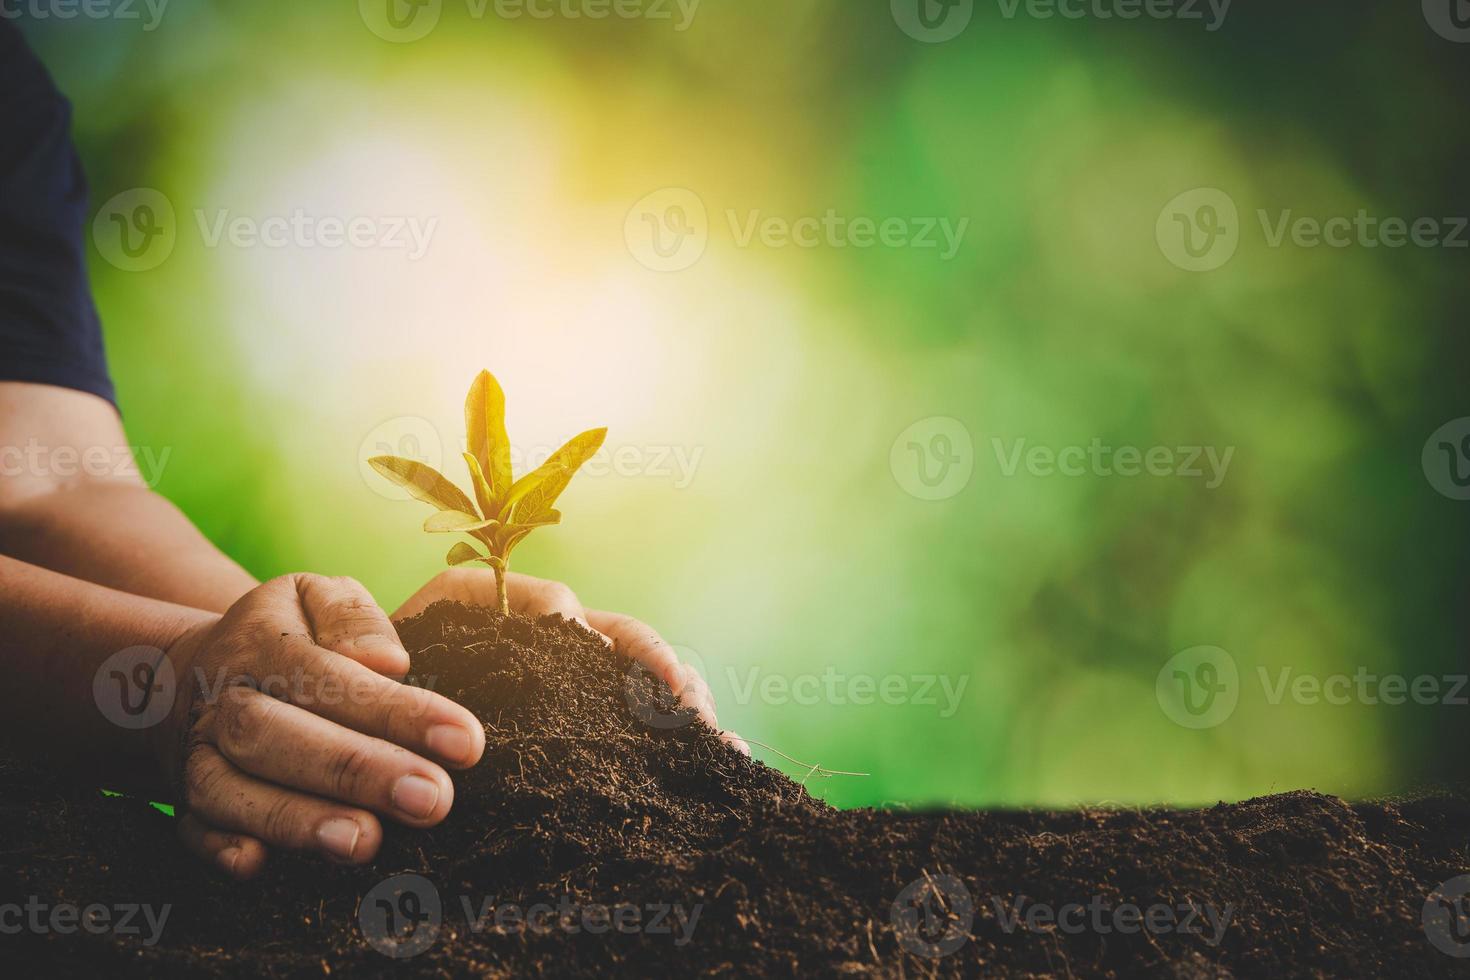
56,635
281,723
73,500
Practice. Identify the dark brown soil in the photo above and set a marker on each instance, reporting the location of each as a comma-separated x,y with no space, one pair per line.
583,807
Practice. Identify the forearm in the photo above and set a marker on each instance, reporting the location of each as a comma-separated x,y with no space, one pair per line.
125,537
56,634
97,523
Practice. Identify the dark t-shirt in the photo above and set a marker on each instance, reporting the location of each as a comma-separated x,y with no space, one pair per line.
49,332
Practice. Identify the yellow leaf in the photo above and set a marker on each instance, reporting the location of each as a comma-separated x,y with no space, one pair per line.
533,494
484,416
423,482
463,554
447,521
483,493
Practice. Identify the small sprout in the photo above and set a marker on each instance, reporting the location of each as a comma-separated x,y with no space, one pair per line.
504,510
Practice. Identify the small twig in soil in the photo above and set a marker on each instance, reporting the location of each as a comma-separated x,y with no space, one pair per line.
821,770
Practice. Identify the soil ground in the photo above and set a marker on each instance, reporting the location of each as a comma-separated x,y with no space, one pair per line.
606,834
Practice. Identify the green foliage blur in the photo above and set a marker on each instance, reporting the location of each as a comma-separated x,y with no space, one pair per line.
775,402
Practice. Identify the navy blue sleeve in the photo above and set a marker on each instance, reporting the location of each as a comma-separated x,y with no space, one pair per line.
49,330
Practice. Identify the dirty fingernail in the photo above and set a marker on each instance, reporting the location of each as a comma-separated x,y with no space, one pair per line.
338,836
450,742
415,796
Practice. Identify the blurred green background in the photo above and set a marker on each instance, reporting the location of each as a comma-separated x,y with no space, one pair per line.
775,404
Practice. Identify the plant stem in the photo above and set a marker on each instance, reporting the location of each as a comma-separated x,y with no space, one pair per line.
500,590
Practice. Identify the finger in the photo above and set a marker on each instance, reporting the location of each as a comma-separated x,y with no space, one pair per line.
638,641
642,643
543,597
736,742
289,746
693,692
238,856
343,617
344,691
217,793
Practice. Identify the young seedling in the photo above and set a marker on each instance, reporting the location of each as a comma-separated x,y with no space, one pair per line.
509,509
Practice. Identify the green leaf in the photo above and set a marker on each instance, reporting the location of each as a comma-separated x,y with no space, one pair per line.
483,493
446,521
533,494
484,416
423,482
463,554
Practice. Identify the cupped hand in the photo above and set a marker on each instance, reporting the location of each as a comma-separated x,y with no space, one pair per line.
541,597
290,728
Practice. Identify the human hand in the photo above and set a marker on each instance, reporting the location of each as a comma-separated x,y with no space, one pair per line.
540,597
290,728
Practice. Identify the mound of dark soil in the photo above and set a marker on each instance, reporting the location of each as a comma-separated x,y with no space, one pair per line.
603,836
